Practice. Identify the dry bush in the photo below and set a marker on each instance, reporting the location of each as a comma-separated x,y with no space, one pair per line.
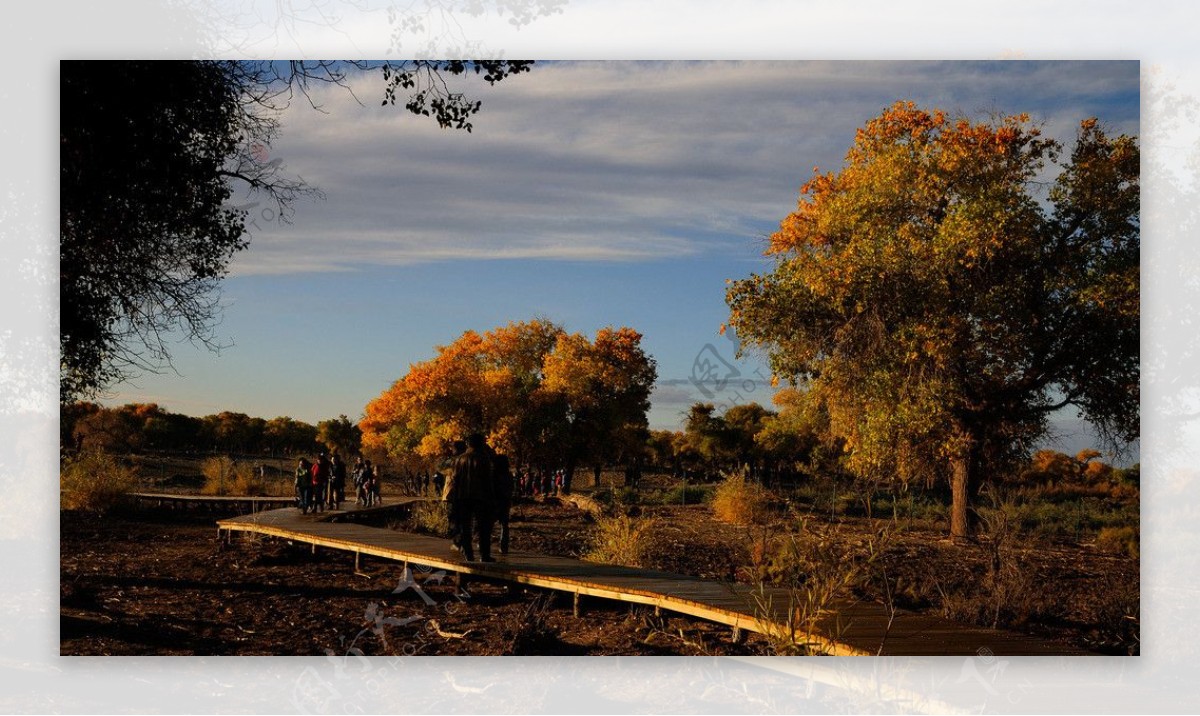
1119,540
819,568
739,500
1008,595
432,516
526,630
621,540
225,476
94,481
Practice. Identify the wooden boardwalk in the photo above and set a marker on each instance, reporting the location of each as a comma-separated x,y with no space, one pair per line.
852,629
240,503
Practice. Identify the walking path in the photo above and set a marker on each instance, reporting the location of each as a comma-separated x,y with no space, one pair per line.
851,629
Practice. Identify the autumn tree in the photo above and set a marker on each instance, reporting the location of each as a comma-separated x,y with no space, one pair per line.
340,435
791,437
940,304
603,390
286,435
231,431
541,395
660,449
111,430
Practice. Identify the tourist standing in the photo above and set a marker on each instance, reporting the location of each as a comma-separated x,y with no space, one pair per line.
376,485
474,489
303,485
503,486
337,482
320,481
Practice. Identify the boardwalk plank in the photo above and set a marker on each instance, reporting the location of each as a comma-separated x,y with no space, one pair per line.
858,628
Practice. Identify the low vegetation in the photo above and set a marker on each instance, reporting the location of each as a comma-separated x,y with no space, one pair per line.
740,500
226,476
432,515
621,540
95,481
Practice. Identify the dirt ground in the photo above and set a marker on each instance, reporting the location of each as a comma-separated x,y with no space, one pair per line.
150,581
158,583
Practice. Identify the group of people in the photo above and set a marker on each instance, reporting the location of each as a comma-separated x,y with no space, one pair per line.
479,490
420,482
530,484
321,484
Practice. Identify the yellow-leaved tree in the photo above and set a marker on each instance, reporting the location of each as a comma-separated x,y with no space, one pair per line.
545,397
952,287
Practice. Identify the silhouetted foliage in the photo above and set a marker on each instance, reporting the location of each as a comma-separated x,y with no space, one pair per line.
151,152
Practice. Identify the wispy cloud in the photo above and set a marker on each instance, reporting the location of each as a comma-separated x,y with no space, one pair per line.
614,161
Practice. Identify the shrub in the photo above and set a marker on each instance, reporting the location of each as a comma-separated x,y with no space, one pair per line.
433,517
525,630
620,540
817,568
686,494
739,500
224,476
95,481
1119,540
626,496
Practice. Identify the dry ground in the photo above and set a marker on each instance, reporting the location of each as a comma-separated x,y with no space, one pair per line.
156,582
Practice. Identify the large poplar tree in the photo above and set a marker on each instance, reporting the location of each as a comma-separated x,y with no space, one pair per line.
955,284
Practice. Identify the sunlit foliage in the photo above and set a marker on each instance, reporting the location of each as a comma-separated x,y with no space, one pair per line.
946,291
541,395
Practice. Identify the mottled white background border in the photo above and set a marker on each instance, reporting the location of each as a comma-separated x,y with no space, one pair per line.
33,678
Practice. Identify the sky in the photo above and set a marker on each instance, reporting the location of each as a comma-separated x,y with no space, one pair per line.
592,194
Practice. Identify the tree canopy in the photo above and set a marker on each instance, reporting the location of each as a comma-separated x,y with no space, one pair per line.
147,426
939,303
150,154
543,396
340,436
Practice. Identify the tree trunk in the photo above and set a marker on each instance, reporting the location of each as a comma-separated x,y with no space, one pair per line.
596,476
960,476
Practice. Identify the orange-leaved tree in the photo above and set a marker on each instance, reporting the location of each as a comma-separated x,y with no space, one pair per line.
542,396
939,303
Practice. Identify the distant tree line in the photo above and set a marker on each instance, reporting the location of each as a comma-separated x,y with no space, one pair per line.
141,427
773,446
793,443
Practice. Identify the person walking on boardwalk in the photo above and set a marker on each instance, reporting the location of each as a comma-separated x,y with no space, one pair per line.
320,481
448,490
357,474
364,485
503,485
376,488
474,486
303,485
337,482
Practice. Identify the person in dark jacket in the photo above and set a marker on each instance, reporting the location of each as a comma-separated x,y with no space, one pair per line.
337,482
473,498
503,499
303,485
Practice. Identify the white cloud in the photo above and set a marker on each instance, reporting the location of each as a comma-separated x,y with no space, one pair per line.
614,161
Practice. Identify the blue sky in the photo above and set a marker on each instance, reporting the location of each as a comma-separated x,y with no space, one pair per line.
590,193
